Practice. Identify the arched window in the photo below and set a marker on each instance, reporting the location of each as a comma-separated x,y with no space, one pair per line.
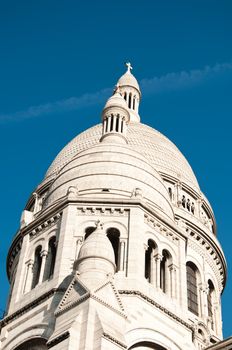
146,345
192,291
51,257
183,201
113,234
129,101
33,344
125,96
164,271
111,122
89,230
37,266
210,300
148,260
170,192
134,102
117,123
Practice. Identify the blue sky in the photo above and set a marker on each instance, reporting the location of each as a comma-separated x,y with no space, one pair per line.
59,61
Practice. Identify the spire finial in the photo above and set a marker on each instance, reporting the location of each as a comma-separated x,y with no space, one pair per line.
129,67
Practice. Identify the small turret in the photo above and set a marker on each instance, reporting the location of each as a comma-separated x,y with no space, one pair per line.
96,258
130,91
115,117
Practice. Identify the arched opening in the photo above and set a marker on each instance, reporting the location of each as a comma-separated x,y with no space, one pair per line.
134,103
117,123
147,345
88,231
193,208
129,101
113,234
170,192
37,266
33,344
51,257
164,271
210,301
183,201
125,96
111,122
149,260
192,290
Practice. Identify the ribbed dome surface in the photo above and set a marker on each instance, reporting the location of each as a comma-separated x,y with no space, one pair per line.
158,149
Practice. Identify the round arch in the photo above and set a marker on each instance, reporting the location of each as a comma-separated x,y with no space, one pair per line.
142,335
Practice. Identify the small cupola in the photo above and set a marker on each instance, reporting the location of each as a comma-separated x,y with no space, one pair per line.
115,117
96,258
130,91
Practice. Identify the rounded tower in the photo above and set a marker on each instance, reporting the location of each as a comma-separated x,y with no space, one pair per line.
117,246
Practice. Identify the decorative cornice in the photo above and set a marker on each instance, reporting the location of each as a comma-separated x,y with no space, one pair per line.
114,340
45,225
107,211
158,306
14,252
154,223
58,339
26,308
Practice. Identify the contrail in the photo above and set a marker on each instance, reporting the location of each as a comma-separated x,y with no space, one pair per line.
150,86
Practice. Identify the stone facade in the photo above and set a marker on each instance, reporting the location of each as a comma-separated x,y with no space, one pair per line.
117,246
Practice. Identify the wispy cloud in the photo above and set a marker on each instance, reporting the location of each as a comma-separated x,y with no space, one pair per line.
183,79
165,83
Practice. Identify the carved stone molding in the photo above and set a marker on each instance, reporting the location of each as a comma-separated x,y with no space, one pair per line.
153,223
58,339
158,306
215,265
114,340
103,211
46,224
30,306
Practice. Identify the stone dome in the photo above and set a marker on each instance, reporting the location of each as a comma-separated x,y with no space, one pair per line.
97,245
159,151
128,79
116,100
115,169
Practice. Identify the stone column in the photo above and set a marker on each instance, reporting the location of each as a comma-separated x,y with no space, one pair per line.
29,276
114,122
157,258
178,194
109,123
78,246
203,301
121,255
172,284
44,255
153,269
104,126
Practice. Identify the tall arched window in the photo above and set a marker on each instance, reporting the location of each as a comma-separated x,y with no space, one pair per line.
130,100
164,271
148,260
192,291
37,266
210,300
113,234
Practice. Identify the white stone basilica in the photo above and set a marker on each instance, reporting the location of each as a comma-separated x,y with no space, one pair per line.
117,246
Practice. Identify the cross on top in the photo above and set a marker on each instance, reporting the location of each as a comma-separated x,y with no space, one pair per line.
129,66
